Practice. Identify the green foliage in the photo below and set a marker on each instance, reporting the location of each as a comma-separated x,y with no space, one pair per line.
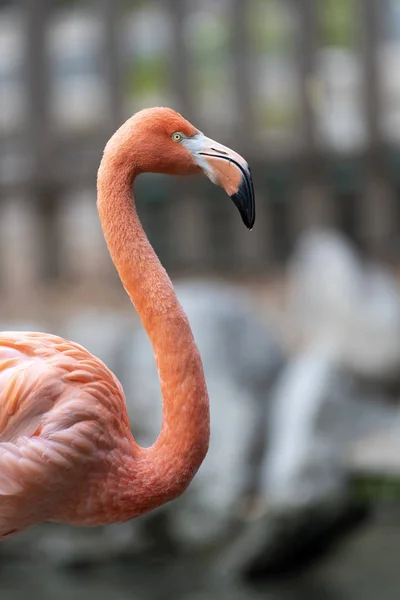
269,27
379,488
147,75
337,19
70,3
210,37
278,115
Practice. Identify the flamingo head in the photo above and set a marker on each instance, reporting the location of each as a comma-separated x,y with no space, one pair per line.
172,145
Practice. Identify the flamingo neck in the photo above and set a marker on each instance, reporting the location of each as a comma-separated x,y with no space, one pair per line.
164,470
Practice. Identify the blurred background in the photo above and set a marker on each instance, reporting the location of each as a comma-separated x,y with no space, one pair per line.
298,322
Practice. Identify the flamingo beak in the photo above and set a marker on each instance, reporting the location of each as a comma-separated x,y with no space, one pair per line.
228,169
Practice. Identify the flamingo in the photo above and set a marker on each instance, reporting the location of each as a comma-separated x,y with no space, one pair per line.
66,449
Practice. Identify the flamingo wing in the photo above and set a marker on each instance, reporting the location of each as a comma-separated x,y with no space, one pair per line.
60,412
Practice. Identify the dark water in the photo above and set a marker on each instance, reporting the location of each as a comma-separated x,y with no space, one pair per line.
365,567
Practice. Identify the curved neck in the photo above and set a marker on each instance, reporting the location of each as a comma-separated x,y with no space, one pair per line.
165,469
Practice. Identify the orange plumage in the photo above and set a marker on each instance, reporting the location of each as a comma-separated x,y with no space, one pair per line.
66,450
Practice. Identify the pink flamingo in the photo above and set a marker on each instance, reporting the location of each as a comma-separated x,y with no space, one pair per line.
66,449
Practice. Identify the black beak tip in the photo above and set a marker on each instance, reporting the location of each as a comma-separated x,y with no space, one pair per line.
250,222
245,202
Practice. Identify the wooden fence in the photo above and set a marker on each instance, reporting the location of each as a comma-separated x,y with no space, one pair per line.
191,224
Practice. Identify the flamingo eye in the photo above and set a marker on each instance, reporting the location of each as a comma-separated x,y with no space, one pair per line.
177,136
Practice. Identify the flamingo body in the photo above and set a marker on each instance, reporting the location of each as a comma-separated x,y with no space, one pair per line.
66,450
64,428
